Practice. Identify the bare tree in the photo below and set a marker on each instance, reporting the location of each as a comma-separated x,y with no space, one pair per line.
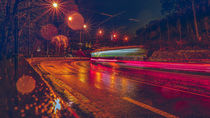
180,7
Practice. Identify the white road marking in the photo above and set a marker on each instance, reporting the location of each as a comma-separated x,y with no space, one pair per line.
145,106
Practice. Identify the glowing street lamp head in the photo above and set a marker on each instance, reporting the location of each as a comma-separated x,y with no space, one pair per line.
70,18
55,4
114,35
126,38
100,32
84,26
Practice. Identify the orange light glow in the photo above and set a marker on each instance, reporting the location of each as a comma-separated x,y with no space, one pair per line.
126,38
55,4
113,79
75,21
84,26
100,32
114,35
70,18
60,40
25,84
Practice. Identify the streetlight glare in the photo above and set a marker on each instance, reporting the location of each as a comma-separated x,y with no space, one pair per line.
75,20
70,18
85,26
114,35
126,38
55,4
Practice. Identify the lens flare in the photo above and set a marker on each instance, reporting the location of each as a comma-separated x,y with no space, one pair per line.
48,31
25,84
55,4
60,41
70,18
75,21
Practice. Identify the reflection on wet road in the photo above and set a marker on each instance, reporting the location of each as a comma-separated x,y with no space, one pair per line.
126,92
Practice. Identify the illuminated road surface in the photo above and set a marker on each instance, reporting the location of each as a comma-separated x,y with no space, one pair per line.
125,92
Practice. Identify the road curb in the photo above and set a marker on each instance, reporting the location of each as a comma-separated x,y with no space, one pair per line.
69,95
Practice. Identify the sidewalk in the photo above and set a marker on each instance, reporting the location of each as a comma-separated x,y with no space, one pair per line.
79,103
70,97
21,99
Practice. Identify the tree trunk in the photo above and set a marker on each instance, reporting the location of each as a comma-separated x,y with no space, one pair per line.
195,20
15,34
180,30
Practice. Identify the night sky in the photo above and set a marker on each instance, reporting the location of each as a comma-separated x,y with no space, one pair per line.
140,12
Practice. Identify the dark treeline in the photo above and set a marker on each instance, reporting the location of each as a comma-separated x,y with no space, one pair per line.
182,28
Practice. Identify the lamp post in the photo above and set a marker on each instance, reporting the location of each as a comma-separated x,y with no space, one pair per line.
85,26
70,18
16,31
84,29
55,5
99,34
126,38
113,36
80,39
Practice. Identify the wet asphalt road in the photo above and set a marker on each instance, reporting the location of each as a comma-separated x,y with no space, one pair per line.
127,92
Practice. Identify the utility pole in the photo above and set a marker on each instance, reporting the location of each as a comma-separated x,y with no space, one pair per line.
29,29
80,39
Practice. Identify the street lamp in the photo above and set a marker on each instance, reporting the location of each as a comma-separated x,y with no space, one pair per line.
70,18
114,35
85,26
99,35
55,5
100,32
126,38
16,39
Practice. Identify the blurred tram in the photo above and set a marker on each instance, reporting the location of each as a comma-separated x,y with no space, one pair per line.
134,53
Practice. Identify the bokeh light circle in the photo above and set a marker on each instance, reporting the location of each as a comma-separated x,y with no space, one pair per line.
25,84
60,40
48,31
75,20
